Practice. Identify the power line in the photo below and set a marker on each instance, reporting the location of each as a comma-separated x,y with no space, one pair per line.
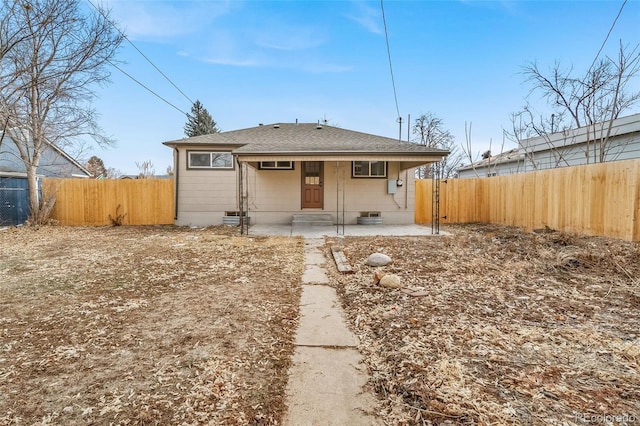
607,37
148,89
137,81
144,56
386,36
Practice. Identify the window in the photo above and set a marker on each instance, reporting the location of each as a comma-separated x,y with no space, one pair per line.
209,160
276,165
369,169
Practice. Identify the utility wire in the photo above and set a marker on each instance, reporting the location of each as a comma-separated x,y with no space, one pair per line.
138,82
144,56
386,36
607,37
148,89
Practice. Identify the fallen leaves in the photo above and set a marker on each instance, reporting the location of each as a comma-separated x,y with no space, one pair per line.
145,325
508,328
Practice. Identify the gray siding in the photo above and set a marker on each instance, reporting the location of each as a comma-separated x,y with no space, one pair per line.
564,149
53,163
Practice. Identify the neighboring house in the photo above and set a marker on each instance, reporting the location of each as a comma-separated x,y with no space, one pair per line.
130,177
14,200
276,171
608,141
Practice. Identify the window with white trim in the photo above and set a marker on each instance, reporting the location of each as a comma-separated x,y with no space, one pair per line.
209,160
276,165
370,169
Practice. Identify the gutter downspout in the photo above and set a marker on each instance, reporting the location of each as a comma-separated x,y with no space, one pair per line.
177,172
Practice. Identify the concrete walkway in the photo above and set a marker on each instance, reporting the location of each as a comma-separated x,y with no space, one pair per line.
347,230
326,379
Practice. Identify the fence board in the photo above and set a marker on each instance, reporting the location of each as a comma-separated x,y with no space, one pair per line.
598,199
90,202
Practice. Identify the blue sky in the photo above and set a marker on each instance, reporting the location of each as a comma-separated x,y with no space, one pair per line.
252,62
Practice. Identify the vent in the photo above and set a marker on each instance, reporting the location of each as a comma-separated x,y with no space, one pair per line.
276,126
318,127
370,214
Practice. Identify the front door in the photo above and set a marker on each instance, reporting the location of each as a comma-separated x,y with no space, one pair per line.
312,193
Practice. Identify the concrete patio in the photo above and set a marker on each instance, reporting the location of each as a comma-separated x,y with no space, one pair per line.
340,230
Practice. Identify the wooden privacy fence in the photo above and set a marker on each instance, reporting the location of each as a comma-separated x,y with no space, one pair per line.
91,202
599,199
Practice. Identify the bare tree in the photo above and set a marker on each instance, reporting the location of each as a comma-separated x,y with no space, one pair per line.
53,55
113,173
467,150
592,101
525,126
429,130
145,170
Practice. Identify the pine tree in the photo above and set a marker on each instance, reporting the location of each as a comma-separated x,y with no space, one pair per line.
199,122
96,167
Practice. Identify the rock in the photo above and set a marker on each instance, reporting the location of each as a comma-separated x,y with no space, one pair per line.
390,281
378,259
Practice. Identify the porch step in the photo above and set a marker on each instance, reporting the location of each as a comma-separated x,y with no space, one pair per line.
317,219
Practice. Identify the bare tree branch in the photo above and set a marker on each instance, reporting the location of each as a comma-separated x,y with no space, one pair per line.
52,56
591,102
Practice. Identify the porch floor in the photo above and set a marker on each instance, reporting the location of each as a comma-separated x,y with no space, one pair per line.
339,230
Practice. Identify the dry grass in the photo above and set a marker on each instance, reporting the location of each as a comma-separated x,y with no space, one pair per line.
515,328
145,325
165,325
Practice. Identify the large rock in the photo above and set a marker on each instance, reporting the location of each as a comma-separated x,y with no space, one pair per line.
378,259
390,281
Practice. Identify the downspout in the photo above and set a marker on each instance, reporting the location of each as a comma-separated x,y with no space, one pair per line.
177,172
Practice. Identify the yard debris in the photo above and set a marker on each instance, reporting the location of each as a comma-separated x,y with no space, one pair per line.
146,325
508,328
377,275
378,259
386,280
415,291
342,263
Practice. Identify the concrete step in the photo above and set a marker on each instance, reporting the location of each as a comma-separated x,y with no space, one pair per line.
312,219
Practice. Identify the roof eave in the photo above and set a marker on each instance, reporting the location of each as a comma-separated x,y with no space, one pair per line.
439,153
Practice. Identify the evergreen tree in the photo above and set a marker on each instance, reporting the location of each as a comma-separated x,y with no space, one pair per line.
199,122
96,167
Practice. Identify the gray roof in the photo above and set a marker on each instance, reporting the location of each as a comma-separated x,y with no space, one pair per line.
562,139
306,138
54,161
504,157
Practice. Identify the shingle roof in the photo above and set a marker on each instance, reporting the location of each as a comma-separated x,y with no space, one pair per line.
504,157
305,138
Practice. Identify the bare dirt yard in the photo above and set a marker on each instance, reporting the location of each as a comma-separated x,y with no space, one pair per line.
145,325
166,325
502,327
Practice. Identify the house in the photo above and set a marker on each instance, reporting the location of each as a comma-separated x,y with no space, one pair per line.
275,172
618,139
14,200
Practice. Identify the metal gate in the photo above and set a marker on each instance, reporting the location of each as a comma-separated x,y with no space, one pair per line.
14,201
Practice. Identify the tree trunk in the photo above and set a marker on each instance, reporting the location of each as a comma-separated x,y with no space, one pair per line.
34,198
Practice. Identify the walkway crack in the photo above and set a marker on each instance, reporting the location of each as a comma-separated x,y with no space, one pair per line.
339,347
